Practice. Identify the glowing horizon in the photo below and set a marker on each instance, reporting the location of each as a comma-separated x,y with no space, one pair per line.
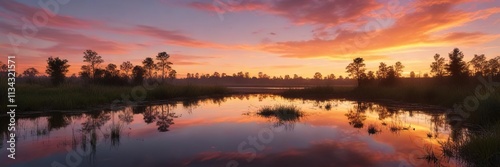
275,37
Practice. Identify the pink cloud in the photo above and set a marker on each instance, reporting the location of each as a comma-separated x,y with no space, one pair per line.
320,12
16,10
171,37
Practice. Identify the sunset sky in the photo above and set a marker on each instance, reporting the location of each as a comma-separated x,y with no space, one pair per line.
277,37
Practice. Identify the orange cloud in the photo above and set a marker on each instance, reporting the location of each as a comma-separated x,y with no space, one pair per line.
415,29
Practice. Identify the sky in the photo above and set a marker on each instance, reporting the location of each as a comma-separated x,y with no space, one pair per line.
277,37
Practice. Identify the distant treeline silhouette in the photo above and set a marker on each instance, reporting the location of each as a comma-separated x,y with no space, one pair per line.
456,70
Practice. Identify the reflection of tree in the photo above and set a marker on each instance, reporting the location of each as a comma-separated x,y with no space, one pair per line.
92,124
162,114
138,109
150,114
127,116
437,121
383,112
357,116
165,118
190,105
57,121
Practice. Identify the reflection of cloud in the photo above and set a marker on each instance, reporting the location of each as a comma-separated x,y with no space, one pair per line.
324,153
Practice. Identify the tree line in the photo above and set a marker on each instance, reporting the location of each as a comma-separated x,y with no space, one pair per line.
111,74
455,69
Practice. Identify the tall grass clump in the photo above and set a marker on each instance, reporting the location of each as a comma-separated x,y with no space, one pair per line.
281,112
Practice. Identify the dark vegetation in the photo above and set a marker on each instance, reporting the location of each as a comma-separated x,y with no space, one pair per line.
456,84
100,86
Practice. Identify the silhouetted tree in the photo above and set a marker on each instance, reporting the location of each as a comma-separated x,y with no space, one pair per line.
149,65
370,75
331,77
412,74
216,75
3,67
57,69
30,74
138,75
126,67
163,63
287,77
398,68
317,76
382,71
456,67
112,69
479,64
93,59
356,69
493,67
85,73
391,77
172,74
438,66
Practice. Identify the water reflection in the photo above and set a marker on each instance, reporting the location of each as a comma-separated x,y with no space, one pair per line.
208,132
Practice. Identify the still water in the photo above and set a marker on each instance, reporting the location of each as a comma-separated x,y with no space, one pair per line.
228,132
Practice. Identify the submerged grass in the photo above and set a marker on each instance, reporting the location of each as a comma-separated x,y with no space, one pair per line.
36,97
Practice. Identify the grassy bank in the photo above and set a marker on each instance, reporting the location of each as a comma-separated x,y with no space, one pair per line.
479,148
36,97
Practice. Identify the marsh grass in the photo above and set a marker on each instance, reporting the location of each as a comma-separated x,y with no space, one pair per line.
431,156
36,97
281,112
115,132
477,149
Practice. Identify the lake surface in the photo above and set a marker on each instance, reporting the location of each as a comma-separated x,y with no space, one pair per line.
228,132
